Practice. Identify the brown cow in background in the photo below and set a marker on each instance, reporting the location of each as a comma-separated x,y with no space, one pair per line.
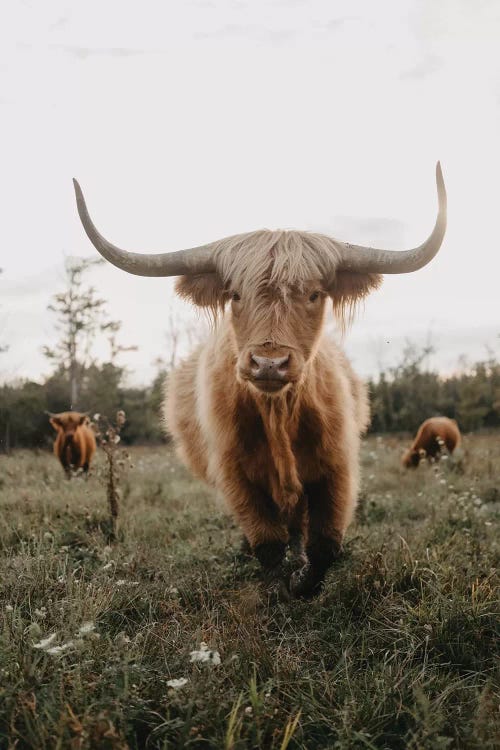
433,435
75,444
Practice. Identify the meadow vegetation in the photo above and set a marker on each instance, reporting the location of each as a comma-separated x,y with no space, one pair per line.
101,645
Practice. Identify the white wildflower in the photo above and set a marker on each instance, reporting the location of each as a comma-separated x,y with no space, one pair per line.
177,683
248,710
205,656
58,650
9,608
121,582
45,642
96,417
108,565
86,628
41,613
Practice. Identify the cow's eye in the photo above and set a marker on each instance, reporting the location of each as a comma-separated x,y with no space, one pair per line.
314,296
235,297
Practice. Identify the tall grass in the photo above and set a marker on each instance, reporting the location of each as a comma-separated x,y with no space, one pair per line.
399,651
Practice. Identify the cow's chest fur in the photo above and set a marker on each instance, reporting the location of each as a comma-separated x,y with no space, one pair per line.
280,447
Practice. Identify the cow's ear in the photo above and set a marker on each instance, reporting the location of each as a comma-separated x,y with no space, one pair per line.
204,290
83,419
348,289
55,422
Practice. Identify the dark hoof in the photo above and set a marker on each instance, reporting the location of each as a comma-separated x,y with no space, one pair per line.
305,583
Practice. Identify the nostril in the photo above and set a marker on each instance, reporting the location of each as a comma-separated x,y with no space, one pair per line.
283,364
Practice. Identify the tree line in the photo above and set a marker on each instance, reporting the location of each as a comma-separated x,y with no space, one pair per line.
401,396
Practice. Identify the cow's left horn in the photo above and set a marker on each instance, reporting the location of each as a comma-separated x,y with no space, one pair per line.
179,263
370,260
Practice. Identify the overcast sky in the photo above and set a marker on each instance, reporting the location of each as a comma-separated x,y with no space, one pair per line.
188,121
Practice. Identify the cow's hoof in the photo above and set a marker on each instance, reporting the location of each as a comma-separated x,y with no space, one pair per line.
305,583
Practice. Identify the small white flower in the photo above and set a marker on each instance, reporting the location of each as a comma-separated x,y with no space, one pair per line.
58,650
45,642
205,656
9,608
121,582
177,683
86,628
248,710
96,417
41,613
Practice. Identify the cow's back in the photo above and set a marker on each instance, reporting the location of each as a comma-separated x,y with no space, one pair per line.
434,430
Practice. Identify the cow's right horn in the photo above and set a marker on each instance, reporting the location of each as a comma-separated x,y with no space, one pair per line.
179,263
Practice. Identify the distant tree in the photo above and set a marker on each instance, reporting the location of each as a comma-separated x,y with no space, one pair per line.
405,395
81,316
182,335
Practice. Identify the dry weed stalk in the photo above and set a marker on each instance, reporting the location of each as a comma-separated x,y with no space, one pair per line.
108,438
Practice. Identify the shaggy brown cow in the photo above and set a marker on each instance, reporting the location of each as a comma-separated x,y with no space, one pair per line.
268,410
432,435
74,445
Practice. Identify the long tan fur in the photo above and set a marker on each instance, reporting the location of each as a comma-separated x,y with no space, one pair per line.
286,462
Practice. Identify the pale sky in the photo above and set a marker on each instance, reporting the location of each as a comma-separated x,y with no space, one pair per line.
189,121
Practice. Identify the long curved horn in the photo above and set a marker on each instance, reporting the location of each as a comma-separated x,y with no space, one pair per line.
179,263
370,260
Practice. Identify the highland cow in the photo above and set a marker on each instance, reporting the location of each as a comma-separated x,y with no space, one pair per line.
75,444
268,410
432,437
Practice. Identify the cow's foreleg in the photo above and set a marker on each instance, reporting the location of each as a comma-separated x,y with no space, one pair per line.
263,527
297,528
330,507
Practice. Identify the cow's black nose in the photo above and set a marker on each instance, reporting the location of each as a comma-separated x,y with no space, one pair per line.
269,368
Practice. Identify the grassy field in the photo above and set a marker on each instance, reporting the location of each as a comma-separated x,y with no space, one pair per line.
399,651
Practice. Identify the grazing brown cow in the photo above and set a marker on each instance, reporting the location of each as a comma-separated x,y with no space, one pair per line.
433,434
268,410
74,445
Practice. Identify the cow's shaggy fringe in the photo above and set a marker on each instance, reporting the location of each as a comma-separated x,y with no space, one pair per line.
285,260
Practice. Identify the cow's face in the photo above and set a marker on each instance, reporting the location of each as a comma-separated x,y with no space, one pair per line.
411,459
67,423
276,333
277,326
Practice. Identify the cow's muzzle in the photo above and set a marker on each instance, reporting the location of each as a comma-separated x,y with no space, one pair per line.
268,371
